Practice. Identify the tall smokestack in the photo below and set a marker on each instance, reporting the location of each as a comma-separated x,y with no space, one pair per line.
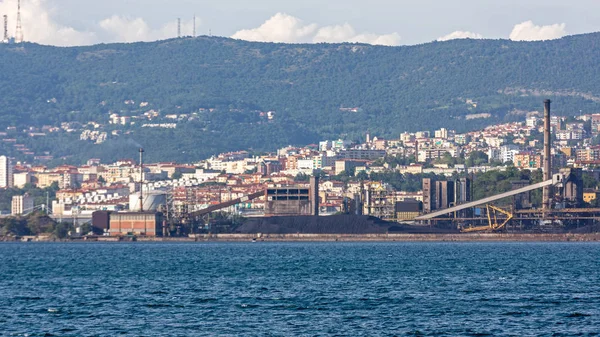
314,195
546,202
141,179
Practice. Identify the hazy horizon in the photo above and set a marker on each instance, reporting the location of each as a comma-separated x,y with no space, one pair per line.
393,23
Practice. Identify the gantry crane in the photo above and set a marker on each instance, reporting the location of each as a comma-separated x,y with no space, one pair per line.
493,224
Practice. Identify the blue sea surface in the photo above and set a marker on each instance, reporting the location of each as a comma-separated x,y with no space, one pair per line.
299,289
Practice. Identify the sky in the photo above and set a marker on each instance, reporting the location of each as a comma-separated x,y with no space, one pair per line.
382,22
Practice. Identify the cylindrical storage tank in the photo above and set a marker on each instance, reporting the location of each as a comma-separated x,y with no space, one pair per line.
152,200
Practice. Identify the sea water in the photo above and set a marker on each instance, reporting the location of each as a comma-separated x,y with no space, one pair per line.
299,289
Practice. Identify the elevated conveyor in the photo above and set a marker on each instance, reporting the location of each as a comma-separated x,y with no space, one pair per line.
226,204
484,200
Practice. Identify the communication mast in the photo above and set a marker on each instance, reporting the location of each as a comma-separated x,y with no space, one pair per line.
5,39
19,31
178,28
194,33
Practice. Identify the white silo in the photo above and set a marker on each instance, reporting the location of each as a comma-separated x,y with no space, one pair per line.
152,200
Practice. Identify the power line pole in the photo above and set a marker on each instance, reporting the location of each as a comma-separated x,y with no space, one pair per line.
5,39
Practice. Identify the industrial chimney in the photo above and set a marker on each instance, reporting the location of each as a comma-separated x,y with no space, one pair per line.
141,179
547,192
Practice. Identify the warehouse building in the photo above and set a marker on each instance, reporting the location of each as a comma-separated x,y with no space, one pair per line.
128,223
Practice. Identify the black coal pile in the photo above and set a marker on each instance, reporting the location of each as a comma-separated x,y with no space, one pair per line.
335,224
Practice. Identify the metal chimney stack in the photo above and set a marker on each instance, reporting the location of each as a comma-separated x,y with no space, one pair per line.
546,198
141,179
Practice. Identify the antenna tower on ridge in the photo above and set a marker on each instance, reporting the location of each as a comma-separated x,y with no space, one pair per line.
5,38
19,31
194,33
178,28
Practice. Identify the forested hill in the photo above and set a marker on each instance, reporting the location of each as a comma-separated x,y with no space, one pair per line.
461,84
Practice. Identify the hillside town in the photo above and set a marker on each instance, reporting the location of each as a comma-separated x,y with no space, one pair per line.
20,141
344,167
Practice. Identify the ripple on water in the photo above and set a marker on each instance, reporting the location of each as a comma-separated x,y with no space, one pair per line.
410,289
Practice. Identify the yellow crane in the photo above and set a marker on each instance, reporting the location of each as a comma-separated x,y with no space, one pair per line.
493,224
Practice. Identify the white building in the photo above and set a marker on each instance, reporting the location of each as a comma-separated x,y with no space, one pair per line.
6,172
407,137
508,152
427,154
361,154
441,133
306,166
21,179
323,160
21,204
325,145
494,141
569,135
422,134
493,154
532,122
505,153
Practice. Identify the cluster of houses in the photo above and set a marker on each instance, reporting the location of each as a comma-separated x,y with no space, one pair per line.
227,176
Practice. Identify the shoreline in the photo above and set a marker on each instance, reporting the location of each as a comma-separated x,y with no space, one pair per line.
566,237
481,237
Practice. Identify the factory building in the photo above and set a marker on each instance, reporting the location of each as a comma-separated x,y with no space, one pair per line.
139,223
444,194
521,200
572,187
290,200
378,200
464,190
128,223
408,210
429,196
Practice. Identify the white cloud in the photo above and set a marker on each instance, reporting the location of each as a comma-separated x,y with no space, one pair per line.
286,28
279,28
38,25
392,39
459,34
335,34
528,31
345,33
125,29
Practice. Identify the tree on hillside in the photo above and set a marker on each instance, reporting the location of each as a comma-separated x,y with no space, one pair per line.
476,158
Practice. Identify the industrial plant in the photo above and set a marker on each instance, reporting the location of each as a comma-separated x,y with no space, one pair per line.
377,186
562,201
444,205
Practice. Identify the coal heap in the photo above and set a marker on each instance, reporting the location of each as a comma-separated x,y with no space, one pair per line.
335,224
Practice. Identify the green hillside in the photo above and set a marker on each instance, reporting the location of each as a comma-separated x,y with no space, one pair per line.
395,88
